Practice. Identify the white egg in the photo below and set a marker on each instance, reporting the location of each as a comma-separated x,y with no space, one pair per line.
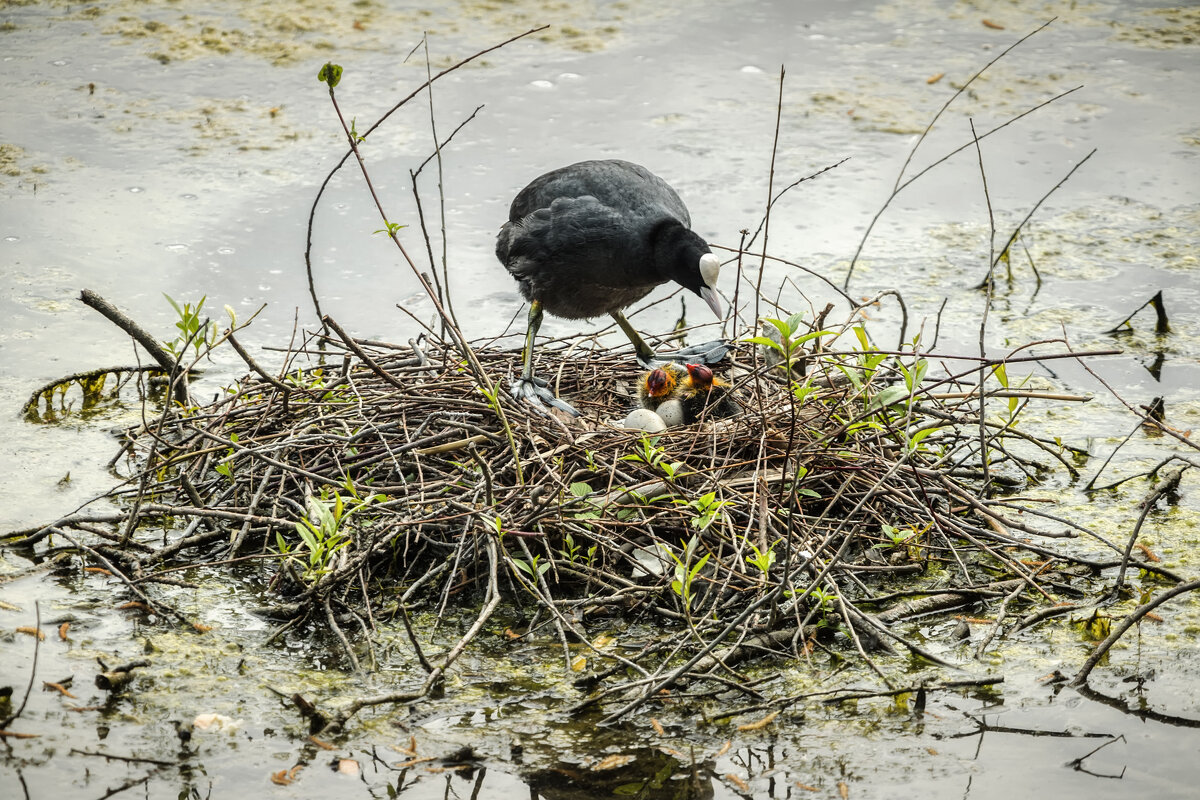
671,412
644,419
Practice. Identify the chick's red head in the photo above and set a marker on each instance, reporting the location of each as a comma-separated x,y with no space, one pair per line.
659,383
702,376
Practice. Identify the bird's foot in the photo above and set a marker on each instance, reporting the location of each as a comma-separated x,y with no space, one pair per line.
534,391
709,353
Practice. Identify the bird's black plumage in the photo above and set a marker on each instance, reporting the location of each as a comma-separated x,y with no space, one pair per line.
597,236
594,237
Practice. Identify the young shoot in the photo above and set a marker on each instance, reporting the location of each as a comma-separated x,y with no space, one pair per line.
192,329
649,453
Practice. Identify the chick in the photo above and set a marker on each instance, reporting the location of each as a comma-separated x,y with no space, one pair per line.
705,395
659,385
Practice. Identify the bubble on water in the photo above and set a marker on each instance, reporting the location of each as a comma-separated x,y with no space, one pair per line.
12,238
188,196
226,250
177,248
750,69
540,84
136,190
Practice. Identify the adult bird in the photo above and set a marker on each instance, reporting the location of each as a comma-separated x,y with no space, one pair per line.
593,238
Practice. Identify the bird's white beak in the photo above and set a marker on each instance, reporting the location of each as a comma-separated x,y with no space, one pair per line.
710,296
710,270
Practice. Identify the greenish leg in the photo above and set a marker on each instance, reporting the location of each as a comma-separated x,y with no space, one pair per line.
535,322
644,353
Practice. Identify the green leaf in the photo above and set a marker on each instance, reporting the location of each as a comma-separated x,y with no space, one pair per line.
330,73
873,361
581,489
785,331
810,336
765,342
793,323
307,535
916,438
914,376
888,397
174,305
852,374
801,393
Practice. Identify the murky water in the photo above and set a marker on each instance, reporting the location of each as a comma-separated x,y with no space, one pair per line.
177,148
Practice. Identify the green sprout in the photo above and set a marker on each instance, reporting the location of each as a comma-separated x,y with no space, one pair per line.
707,508
191,329
763,560
323,532
649,453
685,570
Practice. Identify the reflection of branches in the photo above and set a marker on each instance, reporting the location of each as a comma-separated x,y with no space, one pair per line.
1141,713
37,640
1146,418
982,726
1077,763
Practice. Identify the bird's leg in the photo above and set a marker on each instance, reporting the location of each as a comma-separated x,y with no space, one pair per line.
708,353
527,387
645,355
531,329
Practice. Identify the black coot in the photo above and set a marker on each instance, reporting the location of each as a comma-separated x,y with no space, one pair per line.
591,239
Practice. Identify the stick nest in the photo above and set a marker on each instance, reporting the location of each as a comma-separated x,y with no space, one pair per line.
373,477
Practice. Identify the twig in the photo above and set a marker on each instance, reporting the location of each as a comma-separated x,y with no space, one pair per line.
37,641
1134,617
165,360
312,213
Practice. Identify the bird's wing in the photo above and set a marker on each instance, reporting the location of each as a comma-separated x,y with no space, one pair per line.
620,185
579,234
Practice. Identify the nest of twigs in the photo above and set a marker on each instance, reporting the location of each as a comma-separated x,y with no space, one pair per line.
371,478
